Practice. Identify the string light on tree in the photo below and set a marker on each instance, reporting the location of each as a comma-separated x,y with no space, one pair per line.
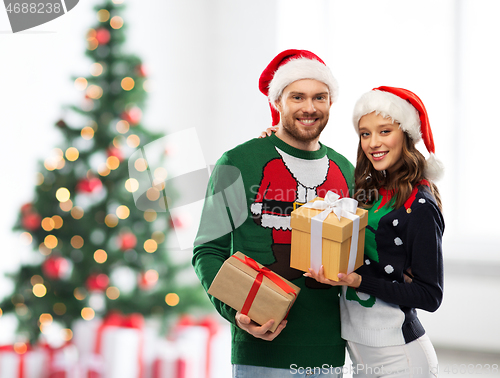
56,267
102,36
91,185
127,83
127,240
103,15
96,69
148,279
97,282
132,115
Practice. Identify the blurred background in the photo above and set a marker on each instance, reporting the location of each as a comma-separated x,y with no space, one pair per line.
203,60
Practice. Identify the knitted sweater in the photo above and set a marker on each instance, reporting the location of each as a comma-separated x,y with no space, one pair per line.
275,178
381,312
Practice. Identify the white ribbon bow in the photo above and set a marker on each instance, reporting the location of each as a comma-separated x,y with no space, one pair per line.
342,207
333,203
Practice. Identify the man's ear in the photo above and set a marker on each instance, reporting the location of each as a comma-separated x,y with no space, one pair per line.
277,105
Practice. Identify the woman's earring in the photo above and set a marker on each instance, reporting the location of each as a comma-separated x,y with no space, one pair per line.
384,173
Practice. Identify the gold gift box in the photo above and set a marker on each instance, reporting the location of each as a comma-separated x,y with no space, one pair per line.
336,242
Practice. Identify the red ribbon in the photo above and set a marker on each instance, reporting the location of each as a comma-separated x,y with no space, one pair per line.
115,319
10,348
53,370
258,281
213,327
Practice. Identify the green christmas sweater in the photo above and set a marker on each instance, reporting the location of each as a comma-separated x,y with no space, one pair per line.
252,191
398,242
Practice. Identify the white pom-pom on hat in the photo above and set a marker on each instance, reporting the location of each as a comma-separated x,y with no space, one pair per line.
405,108
435,168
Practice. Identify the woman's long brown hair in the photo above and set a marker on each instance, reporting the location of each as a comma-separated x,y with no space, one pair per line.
402,182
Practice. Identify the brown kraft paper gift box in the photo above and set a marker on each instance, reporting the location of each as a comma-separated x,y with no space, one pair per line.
235,280
336,241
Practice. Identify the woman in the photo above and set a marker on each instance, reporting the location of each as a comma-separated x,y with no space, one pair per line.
403,266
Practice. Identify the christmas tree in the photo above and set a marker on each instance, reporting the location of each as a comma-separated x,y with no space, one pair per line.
94,248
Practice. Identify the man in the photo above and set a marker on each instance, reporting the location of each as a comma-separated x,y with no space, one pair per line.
278,174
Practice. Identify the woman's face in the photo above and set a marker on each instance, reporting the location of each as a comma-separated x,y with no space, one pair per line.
381,141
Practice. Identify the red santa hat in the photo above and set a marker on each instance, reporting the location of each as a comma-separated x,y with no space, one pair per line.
289,66
405,108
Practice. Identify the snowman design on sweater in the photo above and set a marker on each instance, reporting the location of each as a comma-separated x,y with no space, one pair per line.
289,182
381,312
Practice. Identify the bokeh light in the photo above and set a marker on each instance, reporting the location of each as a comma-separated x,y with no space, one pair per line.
66,206
88,313
48,224
72,154
150,246
122,127
59,308
172,299
67,334
151,276
39,290
81,83
150,215
20,348
58,222
100,256
62,194
103,15
39,178
112,162
122,212
153,194
158,236
77,212
80,293
116,22
50,241
112,293
133,141
77,242
94,92
45,318
36,279
103,170
111,220
127,83
87,132
141,164
96,69
26,238
132,185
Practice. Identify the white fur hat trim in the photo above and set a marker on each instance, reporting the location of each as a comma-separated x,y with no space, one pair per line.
298,69
389,106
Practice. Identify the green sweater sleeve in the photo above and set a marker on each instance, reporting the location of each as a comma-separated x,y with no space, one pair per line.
214,239
346,167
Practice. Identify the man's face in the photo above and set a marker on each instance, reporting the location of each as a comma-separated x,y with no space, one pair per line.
304,107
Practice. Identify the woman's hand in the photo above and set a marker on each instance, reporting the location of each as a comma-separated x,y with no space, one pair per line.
268,131
353,279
